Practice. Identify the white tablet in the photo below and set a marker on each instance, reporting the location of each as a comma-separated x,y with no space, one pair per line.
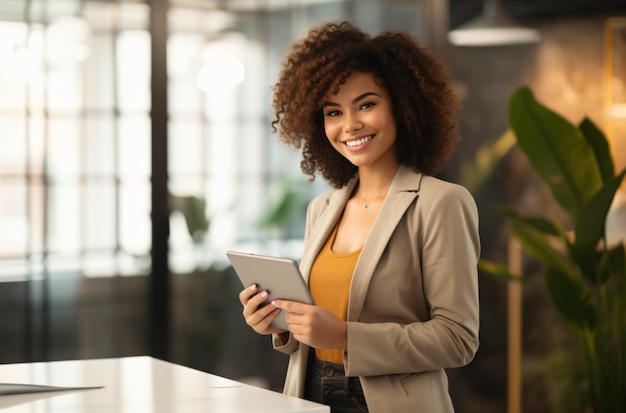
281,277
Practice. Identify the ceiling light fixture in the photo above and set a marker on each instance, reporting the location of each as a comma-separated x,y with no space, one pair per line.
492,28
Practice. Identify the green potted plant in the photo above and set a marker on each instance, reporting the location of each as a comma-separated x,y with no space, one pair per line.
585,277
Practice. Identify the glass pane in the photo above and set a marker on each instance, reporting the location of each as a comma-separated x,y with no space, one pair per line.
13,10
64,218
187,251
221,76
185,147
135,228
36,146
99,146
133,264
101,17
36,265
13,144
134,146
63,157
16,64
36,213
133,15
235,210
183,252
61,8
183,66
223,149
63,93
98,71
99,227
133,70
13,219
63,263
67,47
99,264
253,137
36,10
189,184
283,160
13,269
35,74
254,90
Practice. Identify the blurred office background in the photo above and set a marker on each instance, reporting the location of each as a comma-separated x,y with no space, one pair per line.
136,148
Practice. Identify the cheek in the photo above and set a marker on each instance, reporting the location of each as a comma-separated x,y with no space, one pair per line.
332,131
388,123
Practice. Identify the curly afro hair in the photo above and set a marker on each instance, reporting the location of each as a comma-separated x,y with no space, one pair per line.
424,106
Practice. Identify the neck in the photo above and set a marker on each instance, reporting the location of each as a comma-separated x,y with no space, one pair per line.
374,184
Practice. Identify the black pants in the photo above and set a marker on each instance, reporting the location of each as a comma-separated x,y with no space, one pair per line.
327,384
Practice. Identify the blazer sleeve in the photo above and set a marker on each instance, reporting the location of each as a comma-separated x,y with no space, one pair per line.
448,247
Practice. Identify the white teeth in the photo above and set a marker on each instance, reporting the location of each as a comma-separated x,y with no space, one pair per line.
359,141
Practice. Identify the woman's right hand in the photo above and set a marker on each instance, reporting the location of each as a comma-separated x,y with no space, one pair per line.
259,318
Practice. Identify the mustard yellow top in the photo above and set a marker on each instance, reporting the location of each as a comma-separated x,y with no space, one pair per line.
329,283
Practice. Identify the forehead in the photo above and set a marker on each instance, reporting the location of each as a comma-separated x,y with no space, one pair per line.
356,83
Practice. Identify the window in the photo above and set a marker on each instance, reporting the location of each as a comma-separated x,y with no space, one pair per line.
75,115
76,139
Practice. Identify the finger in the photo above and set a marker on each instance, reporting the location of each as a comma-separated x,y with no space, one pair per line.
261,314
261,320
260,299
291,306
271,315
255,302
245,295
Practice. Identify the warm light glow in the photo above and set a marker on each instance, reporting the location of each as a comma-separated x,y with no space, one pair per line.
18,63
220,72
19,67
495,36
67,41
615,226
618,110
492,28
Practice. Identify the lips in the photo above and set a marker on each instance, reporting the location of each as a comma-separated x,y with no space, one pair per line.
360,141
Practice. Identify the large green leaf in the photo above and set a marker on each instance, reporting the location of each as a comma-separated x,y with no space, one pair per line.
540,224
600,146
502,271
476,172
286,199
557,149
590,226
571,297
538,246
611,263
193,209
535,234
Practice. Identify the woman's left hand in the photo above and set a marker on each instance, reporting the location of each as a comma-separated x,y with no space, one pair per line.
314,326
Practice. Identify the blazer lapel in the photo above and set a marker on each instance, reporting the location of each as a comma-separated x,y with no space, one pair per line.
324,226
402,193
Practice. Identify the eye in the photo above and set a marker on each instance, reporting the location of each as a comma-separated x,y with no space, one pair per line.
367,105
332,113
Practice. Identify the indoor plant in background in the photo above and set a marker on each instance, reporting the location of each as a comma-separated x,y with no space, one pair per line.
585,276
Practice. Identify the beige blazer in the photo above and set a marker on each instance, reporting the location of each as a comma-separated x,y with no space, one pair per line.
413,306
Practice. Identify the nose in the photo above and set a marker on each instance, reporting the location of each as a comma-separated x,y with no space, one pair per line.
352,123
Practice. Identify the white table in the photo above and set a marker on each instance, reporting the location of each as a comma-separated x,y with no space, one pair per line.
139,385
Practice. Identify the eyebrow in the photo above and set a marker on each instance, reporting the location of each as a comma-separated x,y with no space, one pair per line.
355,100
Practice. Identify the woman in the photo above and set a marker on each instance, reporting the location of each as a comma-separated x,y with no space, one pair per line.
390,253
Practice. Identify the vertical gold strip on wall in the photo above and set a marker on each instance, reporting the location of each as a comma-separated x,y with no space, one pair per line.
615,106
514,315
608,76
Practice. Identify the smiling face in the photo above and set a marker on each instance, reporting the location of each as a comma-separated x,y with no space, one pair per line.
359,122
